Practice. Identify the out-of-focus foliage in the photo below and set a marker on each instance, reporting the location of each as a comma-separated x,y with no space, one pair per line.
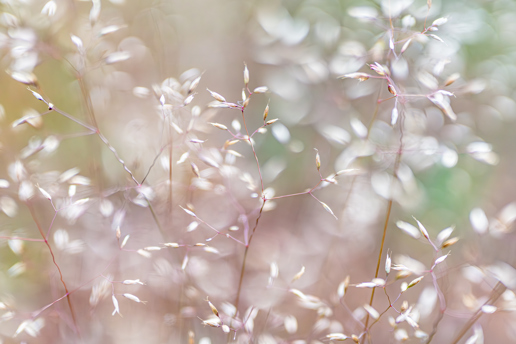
205,216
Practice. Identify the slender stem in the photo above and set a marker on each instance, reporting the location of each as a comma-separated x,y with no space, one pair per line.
112,149
442,305
245,255
498,290
389,208
156,220
375,114
219,232
254,151
87,98
242,270
41,310
33,215
73,119
385,225
154,163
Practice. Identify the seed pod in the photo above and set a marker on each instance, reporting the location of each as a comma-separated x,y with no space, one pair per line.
450,242
232,152
220,126
404,306
230,143
372,312
196,141
343,287
194,84
337,336
189,99
439,21
152,248
299,274
359,76
45,193
403,274
126,238
144,253
441,259
266,112
405,46
378,68
195,170
217,96
246,75
134,298
133,282
404,287
36,94
215,322
388,264
261,89
189,212
115,303
213,308
451,79
415,281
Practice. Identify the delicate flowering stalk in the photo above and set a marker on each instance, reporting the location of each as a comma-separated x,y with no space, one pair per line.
72,312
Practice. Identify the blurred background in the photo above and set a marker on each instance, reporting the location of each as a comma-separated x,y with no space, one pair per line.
128,70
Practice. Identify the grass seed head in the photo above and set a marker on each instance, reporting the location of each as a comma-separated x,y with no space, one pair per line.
261,89
298,275
415,281
213,308
194,84
450,242
266,112
217,96
317,160
246,75
358,76
451,79
134,298
124,242
220,126
337,336
404,306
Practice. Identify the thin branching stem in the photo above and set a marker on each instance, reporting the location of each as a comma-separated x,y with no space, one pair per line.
254,151
242,270
497,291
33,215
385,225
